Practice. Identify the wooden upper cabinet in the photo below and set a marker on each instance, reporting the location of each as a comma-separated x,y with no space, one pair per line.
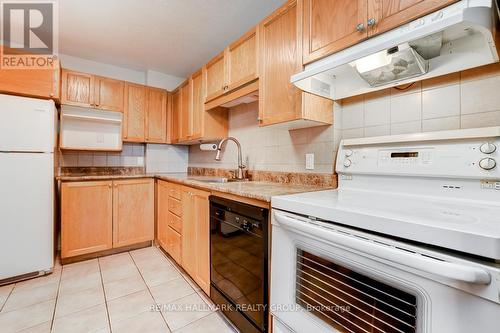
174,125
280,57
86,217
156,115
134,113
108,94
92,91
77,89
242,60
384,15
331,25
38,83
197,97
215,79
133,211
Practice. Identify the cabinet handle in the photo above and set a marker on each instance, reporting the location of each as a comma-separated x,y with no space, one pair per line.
360,27
371,22
109,185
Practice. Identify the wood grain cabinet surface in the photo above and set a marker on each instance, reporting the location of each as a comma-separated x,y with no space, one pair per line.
330,26
134,116
108,94
168,221
37,83
133,211
280,57
101,215
175,123
86,217
77,88
156,115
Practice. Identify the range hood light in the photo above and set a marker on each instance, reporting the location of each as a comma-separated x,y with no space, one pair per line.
372,62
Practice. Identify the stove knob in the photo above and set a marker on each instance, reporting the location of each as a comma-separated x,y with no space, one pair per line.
348,152
487,163
488,148
347,162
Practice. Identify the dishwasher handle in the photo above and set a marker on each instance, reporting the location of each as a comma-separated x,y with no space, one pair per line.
453,271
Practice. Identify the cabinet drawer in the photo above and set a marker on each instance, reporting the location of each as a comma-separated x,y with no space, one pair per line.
175,206
174,222
174,243
174,191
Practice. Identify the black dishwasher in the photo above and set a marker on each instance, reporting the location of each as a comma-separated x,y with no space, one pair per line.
239,262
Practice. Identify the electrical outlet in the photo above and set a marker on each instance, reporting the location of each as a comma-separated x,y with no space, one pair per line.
310,161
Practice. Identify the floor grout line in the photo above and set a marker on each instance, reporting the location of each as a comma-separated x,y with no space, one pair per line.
104,295
7,298
55,303
149,290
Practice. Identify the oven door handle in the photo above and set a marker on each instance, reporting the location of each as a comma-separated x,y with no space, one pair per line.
453,271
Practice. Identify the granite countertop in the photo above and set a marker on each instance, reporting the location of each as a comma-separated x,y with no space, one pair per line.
259,190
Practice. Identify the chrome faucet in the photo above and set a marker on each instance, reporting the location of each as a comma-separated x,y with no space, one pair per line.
241,166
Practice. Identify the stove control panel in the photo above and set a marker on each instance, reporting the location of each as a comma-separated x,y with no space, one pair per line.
463,158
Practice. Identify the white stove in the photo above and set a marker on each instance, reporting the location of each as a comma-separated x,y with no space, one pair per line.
414,216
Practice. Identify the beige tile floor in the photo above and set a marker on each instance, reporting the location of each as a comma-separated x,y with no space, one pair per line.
138,291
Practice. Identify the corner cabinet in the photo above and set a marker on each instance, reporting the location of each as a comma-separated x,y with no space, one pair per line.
156,115
101,215
280,57
330,26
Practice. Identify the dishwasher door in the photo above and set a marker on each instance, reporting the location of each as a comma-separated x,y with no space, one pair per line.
238,241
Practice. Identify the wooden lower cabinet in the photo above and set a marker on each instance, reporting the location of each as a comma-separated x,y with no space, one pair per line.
185,233
86,217
133,211
101,215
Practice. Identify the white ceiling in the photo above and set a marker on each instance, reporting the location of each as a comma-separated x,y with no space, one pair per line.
174,37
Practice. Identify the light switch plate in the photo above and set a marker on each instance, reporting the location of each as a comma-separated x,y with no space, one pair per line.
309,161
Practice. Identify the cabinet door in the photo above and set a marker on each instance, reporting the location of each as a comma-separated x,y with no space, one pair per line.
39,83
197,109
388,14
77,89
133,211
162,213
188,232
134,113
202,223
280,49
214,77
86,217
185,114
108,94
329,26
156,115
176,120
242,60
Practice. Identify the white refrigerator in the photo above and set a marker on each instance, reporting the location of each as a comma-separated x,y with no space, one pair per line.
27,140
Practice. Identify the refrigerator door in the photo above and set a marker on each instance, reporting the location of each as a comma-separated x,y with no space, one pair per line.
27,213
27,124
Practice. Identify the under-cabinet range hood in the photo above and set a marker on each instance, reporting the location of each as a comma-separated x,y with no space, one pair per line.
452,39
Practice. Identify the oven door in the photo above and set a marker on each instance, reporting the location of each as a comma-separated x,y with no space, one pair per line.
327,278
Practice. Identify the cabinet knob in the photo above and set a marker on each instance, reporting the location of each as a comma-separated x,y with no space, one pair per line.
371,22
360,27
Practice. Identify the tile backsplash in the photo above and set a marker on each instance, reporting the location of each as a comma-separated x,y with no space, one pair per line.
132,155
460,100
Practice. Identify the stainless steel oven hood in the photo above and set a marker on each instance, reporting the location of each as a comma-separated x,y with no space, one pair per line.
452,39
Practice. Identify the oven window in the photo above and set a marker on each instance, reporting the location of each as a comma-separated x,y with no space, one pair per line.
352,302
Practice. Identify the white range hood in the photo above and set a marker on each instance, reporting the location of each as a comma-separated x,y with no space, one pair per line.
452,39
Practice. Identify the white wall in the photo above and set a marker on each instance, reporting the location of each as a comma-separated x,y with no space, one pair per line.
99,68
164,81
